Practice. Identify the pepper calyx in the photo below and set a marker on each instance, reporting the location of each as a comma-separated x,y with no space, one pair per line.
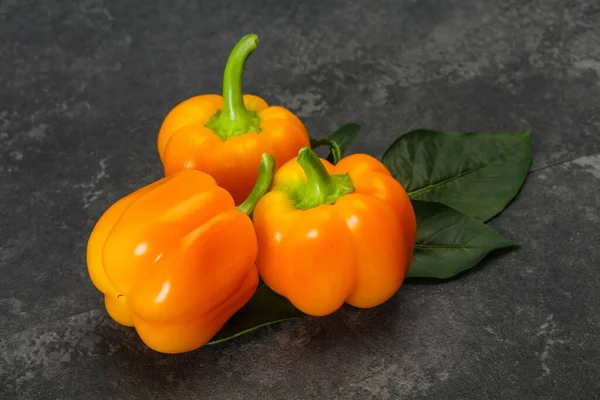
320,187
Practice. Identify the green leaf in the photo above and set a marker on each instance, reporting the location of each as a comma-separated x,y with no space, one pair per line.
449,242
264,308
338,141
477,174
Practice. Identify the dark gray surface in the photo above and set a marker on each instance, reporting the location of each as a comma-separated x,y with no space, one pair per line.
84,87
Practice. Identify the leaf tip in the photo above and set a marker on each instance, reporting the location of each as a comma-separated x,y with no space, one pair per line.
512,243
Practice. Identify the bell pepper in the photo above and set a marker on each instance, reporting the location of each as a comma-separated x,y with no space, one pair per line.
176,258
334,234
226,135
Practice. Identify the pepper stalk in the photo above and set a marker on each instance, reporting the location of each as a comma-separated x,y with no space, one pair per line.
234,119
266,171
320,187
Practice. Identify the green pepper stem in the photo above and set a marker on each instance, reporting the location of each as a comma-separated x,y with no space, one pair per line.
320,188
266,171
234,119
318,182
233,101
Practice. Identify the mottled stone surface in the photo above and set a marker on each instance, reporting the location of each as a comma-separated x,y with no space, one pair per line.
84,86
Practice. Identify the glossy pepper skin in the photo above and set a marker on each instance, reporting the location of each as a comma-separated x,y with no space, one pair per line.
176,258
225,136
333,234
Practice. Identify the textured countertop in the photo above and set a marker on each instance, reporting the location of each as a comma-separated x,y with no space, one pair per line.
84,86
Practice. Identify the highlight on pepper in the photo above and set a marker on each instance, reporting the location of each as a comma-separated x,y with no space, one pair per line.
334,234
226,135
176,258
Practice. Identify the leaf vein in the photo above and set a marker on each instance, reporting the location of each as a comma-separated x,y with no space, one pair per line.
463,174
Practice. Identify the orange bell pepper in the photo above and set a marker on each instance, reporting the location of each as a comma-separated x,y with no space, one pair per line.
225,136
333,234
176,259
